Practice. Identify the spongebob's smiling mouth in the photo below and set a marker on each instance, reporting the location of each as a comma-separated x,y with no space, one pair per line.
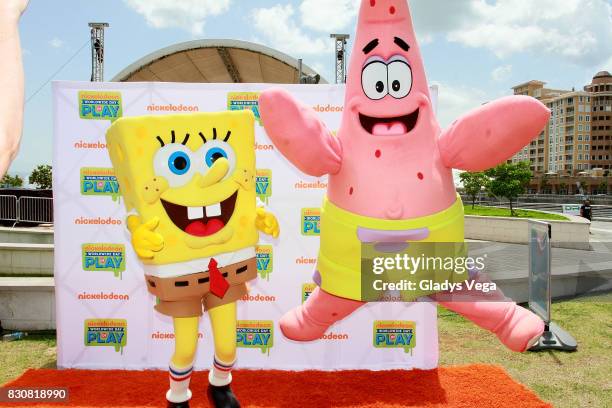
201,221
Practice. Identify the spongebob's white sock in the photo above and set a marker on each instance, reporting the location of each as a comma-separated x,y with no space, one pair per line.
221,373
179,384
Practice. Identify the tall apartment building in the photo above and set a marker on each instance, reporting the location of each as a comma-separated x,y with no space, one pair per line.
601,120
578,136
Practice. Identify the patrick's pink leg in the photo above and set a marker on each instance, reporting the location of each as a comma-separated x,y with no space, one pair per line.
516,327
309,321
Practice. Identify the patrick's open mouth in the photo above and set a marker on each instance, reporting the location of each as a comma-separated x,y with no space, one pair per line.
396,126
201,221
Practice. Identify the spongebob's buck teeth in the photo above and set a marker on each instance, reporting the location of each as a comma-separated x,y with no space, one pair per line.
213,210
195,213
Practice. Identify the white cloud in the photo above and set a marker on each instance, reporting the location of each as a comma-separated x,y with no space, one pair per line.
189,15
501,73
328,16
56,43
278,26
455,101
576,30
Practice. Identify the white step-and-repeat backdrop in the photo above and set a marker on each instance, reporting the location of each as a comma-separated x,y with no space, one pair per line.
105,316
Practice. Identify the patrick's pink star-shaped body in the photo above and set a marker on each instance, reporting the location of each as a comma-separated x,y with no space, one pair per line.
391,165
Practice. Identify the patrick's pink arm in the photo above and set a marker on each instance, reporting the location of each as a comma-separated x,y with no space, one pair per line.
492,133
300,136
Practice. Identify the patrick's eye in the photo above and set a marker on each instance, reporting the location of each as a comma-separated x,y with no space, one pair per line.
374,80
179,163
400,79
213,155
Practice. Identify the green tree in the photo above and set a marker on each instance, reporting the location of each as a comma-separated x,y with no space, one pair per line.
473,184
9,181
41,177
603,187
509,180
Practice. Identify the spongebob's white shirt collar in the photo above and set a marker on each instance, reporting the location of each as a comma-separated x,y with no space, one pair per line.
198,265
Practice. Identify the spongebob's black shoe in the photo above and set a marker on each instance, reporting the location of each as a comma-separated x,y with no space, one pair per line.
222,397
178,404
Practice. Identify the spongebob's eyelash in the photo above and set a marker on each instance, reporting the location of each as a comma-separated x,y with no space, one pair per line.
229,133
184,142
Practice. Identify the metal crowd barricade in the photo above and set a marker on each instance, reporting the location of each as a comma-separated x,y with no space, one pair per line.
35,209
9,208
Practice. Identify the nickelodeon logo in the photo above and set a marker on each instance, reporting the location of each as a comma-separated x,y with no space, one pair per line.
265,260
172,108
244,100
316,185
264,147
97,221
106,333
328,108
98,181
104,258
394,334
89,145
103,296
100,105
169,336
258,298
311,221
306,261
307,289
334,336
255,334
263,184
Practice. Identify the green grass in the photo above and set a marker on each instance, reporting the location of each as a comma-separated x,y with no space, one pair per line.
505,212
34,351
567,380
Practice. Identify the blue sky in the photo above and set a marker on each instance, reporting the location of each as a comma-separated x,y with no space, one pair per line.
476,50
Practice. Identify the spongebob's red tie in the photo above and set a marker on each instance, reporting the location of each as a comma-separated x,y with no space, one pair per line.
218,284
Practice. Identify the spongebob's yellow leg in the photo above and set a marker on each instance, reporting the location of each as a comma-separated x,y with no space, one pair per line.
181,365
223,322
185,340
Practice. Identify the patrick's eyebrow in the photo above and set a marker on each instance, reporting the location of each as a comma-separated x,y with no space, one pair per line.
370,46
401,43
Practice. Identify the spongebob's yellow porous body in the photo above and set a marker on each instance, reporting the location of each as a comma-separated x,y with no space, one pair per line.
188,183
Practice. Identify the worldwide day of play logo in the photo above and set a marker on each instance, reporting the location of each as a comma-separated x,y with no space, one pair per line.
394,334
263,184
98,181
265,260
100,105
255,334
106,333
104,258
311,221
307,289
244,100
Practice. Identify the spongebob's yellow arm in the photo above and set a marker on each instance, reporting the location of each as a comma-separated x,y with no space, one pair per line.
144,239
267,223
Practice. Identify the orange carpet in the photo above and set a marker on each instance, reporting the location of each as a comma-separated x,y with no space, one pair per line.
475,386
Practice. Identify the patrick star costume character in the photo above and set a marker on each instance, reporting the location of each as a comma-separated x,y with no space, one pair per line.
390,171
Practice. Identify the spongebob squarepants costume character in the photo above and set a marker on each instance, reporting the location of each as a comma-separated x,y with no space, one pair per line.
188,183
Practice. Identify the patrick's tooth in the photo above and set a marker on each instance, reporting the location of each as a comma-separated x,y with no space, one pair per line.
195,213
213,210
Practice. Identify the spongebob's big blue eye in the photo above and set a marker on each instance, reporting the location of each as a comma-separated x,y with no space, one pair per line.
214,154
175,163
179,163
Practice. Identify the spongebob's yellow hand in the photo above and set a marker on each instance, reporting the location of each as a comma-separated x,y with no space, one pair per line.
267,222
144,240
